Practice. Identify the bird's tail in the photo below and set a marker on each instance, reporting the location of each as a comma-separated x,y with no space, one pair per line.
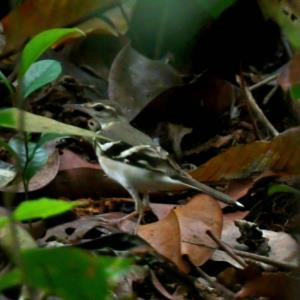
194,184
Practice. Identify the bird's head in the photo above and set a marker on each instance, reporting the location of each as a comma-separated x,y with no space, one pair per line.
101,114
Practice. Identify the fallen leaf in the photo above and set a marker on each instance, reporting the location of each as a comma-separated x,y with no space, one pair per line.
200,214
272,285
71,160
279,156
183,232
135,80
21,24
283,247
290,74
164,237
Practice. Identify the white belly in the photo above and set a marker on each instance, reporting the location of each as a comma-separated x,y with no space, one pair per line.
130,176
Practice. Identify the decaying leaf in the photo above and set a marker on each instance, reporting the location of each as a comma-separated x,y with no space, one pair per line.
20,24
279,156
183,231
271,285
135,80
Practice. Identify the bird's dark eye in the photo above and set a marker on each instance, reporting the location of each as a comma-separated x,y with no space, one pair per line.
94,125
99,108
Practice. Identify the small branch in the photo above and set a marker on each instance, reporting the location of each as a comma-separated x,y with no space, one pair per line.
263,82
256,109
223,291
270,94
267,260
226,248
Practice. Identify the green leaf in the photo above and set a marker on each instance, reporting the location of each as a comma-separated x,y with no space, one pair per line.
9,118
282,188
6,83
295,91
38,75
215,7
70,273
40,43
286,15
42,208
10,279
48,137
3,221
37,156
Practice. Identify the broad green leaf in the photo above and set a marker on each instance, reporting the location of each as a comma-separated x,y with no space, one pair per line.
6,83
70,273
10,279
48,137
37,156
40,43
42,208
9,118
38,75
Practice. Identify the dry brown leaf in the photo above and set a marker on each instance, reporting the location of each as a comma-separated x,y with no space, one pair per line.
202,213
22,24
183,231
290,74
279,156
271,285
82,183
283,247
164,237
135,80
71,160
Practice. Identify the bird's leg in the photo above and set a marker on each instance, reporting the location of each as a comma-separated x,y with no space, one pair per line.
146,203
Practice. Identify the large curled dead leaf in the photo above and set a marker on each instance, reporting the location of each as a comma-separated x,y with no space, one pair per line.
279,156
135,80
183,231
18,27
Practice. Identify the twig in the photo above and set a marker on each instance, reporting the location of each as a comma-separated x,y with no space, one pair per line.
270,94
226,248
263,82
256,109
223,291
267,260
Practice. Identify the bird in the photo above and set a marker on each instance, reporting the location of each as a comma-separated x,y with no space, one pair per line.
135,161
